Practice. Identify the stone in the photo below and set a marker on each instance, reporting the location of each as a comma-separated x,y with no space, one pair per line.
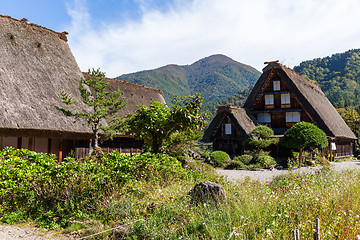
207,191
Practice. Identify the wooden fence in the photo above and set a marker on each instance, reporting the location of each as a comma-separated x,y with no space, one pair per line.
296,232
84,152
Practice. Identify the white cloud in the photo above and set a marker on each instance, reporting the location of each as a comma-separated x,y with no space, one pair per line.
249,31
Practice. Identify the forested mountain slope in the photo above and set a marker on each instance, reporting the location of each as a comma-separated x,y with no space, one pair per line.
338,76
216,77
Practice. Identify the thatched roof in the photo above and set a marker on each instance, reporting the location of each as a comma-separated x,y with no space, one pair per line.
243,119
133,94
35,64
311,98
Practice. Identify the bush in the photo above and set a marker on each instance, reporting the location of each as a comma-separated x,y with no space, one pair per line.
218,158
36,187
245,158
235,164
262,131
265,161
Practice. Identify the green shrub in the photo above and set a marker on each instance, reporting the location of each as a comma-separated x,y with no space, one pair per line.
254,166
236,165
245,158
265,161
218,158
35,186
262,131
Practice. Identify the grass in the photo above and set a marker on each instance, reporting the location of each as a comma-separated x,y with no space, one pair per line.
262,211
157,205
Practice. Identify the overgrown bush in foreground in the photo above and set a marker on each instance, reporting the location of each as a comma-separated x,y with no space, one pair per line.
159,207
34,186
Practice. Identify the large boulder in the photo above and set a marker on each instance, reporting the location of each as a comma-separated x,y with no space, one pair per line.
207,191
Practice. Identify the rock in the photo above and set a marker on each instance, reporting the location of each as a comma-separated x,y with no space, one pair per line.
228,160
207,191
310,163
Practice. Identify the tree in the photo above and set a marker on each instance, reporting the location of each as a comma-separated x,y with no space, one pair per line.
102,105
352,119
158,123
304,135
261,137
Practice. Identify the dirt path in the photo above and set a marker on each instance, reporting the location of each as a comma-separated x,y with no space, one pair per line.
29,232
267,175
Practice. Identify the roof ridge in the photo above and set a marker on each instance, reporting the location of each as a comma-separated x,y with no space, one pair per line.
133,84
302,78
86,74
62,35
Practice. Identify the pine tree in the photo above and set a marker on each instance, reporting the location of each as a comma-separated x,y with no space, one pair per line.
103,105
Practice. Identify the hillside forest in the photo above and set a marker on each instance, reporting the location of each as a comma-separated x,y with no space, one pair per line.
222,80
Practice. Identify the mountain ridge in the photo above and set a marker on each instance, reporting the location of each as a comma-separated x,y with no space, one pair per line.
215,77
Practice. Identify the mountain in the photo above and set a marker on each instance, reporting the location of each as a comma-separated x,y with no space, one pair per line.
337,75
216,77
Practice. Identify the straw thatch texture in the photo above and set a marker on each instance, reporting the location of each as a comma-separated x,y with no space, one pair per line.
133,94
311,98
35,64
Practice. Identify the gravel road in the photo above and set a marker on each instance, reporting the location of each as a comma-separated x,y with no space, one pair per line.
266,175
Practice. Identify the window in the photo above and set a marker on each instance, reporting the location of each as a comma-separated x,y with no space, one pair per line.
333,146
285,98
269,99
227,128
276,85
264,117
292,117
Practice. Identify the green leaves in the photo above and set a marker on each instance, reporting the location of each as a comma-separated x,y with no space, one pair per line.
304,135
103,105
52,193
157,124
338,76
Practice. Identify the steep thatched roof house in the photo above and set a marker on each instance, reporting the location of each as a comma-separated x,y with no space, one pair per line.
281,98
35,64
228,130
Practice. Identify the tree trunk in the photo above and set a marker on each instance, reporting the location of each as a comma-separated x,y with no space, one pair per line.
96,135
155,146
300,156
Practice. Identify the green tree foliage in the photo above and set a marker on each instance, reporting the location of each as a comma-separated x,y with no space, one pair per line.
102,105
338,76
218,158
352,119
304,135
261,137
159,124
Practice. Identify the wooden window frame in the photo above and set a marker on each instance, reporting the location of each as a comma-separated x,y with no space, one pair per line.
276,85
263,116
269,101
285,100
228,130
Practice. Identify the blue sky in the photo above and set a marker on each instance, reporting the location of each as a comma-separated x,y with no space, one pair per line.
123,36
